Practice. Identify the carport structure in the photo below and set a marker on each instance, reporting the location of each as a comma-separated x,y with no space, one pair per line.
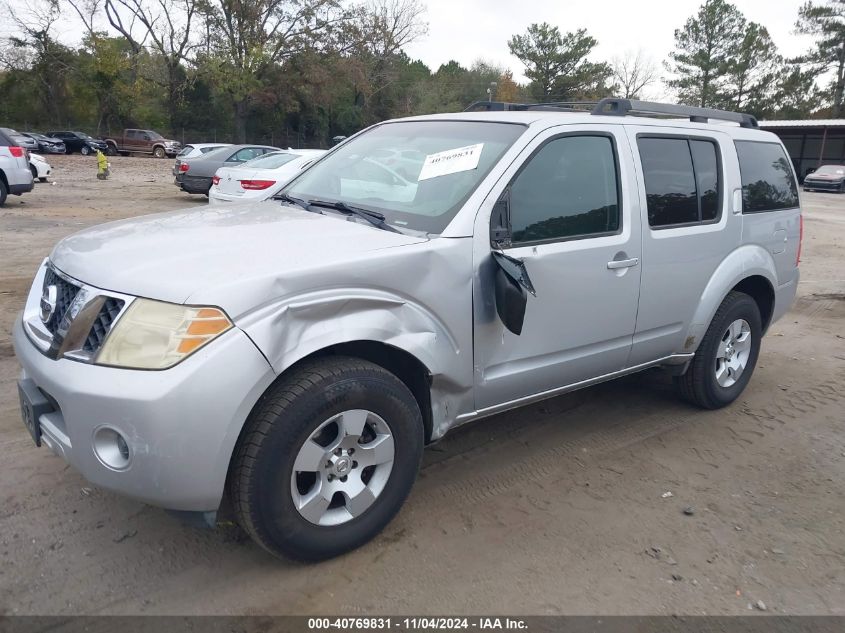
811,143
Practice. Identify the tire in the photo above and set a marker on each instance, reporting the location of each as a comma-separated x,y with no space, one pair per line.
111,150
34,172
700,384
85,150
159,152
309,408
4,193
44,179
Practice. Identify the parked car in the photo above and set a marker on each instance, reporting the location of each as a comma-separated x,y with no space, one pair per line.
826,178
195,174
259,178
20,139
142,142
194,150
39,167
297,354
79,142
15,177
47,145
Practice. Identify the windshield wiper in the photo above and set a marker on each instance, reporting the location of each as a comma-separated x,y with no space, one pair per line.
291,200
373,217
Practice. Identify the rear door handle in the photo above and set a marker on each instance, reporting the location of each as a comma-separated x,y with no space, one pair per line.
623,263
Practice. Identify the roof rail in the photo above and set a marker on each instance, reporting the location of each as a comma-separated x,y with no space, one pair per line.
560,106
623,107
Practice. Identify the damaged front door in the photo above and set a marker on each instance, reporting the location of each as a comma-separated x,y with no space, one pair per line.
573,238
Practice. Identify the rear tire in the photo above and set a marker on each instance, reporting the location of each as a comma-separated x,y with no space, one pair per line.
34,172
725,360
297,506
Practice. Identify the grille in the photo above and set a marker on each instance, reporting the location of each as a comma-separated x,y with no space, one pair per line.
65,294
102,324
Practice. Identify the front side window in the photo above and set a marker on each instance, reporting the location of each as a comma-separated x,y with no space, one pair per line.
682,180
420,190
568,189
768,183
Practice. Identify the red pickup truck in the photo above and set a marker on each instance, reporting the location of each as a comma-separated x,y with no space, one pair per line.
143,142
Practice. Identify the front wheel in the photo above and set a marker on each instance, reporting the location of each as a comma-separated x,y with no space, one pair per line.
726,358
85,150
327,458
158,152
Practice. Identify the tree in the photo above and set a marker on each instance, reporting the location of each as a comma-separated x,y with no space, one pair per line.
796,95
167,27
826,23
250,37
557,64
704,51
507,89
633,73
752,72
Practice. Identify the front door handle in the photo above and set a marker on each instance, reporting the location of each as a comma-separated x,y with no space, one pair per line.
623,263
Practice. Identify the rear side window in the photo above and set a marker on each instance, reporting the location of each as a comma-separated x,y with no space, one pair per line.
768,183
568,189
682,180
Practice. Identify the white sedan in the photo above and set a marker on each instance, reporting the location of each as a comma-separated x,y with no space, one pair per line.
39,167
259,178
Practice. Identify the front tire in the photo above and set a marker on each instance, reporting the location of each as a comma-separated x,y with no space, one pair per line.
159,152
326,459
85,150
725,360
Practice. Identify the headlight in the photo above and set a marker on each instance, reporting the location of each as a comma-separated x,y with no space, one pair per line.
157,335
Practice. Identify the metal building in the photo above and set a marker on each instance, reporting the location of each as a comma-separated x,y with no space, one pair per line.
811,143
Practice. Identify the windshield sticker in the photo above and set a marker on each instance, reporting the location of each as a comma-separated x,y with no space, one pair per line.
451,161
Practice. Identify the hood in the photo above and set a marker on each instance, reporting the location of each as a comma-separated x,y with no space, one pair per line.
215,254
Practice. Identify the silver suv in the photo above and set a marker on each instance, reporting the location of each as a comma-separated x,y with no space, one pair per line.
15,175
294,356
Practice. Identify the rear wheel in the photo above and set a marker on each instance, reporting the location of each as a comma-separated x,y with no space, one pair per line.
327,458
725,360
34,172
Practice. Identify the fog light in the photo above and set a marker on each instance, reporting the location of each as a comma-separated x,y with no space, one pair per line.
111,448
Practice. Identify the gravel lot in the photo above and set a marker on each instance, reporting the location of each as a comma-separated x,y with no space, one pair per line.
555,508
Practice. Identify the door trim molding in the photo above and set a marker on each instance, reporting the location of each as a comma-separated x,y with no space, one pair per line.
673,359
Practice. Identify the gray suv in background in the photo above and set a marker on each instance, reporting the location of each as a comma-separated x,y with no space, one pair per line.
295,356
15,175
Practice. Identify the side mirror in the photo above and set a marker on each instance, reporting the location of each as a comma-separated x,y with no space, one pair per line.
512,286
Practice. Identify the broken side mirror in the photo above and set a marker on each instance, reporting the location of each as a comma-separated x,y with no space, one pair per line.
512,286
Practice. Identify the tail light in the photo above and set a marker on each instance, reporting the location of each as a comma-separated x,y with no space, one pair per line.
256,184
183,167
800,238
16,151
215,180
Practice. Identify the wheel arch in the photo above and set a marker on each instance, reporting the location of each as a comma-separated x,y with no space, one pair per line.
749,269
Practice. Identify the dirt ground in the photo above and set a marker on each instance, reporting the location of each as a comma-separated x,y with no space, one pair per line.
557,508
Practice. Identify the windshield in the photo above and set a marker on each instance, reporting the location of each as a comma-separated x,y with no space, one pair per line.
185,150
416,173
83,135
270,161
831,170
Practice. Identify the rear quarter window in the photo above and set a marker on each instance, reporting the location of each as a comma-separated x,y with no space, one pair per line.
768,183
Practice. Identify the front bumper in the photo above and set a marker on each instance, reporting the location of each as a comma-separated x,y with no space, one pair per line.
180,424
823,185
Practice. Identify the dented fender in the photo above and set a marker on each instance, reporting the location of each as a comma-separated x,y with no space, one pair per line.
434,326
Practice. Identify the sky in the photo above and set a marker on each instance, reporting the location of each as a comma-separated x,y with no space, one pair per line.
467,30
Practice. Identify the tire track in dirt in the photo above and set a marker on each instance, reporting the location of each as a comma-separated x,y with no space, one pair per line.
432,490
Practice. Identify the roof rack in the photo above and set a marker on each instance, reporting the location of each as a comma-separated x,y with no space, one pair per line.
622,107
